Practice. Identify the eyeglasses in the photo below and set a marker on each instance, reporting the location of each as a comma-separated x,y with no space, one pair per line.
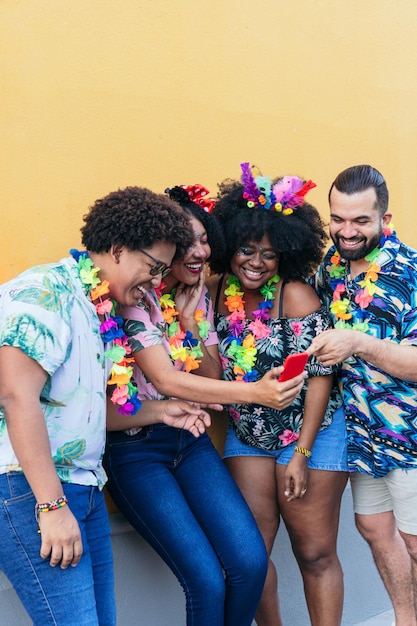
159,267
268,255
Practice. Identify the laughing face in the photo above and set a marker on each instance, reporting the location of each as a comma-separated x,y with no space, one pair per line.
254,263
133,272
187,270
355,223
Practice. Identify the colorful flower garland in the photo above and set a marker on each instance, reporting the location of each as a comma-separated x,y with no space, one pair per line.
125,394
243,350
183,346
341,306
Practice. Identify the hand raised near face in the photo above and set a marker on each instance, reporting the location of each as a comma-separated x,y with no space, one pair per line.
187,298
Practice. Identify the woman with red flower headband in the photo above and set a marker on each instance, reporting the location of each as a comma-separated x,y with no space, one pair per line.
174,488
287,462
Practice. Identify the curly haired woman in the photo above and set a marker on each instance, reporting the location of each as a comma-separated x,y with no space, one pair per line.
289,462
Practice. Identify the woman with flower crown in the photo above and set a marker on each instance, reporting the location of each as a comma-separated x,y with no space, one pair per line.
290,462
173,488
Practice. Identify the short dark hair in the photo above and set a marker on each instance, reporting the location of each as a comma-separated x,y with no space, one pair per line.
210,222
359,178
137,218
299,238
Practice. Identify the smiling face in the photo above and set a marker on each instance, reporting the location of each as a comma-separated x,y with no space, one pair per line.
254,263
355,223
187,270
129,271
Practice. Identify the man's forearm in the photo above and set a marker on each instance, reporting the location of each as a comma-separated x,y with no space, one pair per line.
397,360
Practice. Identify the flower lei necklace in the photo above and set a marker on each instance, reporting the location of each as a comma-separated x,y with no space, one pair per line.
125,394
183,346
243,350
341,306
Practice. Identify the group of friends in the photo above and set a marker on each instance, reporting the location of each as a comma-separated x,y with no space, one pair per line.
179,303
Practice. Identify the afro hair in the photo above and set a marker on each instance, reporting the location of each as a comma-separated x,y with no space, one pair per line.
299,238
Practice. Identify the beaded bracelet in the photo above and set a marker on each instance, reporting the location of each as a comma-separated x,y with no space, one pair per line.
46,507
304,451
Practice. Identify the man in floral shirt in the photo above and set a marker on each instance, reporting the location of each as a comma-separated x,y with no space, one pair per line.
369,282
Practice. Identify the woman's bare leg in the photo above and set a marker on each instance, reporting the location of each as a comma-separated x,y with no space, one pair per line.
312,523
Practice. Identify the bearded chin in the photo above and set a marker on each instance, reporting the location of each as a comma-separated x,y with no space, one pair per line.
359,253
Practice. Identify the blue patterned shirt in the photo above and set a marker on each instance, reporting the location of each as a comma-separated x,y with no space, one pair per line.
381,410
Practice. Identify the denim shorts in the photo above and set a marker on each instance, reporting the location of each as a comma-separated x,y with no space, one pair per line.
329,451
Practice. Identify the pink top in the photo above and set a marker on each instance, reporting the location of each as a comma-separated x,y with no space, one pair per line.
146,327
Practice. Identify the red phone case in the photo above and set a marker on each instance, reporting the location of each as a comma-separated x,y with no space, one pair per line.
293,365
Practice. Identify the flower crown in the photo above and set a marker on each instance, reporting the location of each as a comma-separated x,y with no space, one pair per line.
284,196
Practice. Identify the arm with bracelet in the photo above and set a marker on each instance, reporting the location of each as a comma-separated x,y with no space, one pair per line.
319,386
61,542
317,396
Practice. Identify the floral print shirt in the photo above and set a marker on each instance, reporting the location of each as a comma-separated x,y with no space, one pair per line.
45,313
261,426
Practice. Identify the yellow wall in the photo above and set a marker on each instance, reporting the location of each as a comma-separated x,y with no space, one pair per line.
100,94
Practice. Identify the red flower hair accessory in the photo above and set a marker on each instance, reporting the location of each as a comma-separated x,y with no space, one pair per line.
197,193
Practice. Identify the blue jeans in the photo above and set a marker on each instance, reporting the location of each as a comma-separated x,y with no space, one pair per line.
76,596
177,493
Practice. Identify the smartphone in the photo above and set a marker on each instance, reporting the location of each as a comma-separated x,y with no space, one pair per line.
294,364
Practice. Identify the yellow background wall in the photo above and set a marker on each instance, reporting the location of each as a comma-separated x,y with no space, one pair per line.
101,94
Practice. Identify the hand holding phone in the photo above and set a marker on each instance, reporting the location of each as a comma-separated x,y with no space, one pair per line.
294,364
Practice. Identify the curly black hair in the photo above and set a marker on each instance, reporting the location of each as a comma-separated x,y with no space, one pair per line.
135,217
299,238
211,224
